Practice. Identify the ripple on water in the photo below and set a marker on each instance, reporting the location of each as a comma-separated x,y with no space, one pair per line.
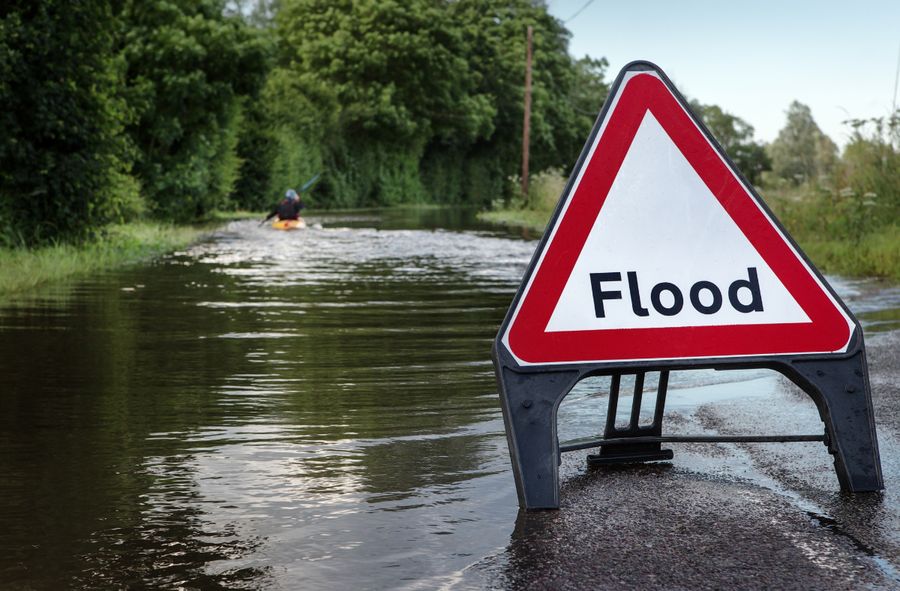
310,409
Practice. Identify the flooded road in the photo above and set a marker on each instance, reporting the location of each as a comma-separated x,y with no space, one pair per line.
317,410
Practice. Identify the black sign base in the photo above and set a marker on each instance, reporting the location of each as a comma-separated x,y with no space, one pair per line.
840,389
530,399
630,449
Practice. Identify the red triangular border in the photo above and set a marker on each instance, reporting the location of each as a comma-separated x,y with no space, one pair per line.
829,329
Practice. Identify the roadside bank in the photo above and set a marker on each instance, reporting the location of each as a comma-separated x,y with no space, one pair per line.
530,219
24,269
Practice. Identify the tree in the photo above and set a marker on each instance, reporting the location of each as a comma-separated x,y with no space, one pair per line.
802,152
188,66
736,137
64,160
589,91
566,95
300,122
427,94
399,75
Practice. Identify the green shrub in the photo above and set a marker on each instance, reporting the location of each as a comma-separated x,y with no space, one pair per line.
64,160
188,65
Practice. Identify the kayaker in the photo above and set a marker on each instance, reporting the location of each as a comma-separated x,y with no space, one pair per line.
289,208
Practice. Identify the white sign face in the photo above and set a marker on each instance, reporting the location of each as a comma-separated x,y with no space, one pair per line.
660,251
663,226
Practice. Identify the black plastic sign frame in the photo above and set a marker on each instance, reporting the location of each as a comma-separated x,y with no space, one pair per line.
530,392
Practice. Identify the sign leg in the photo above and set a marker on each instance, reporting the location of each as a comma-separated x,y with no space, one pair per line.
840,388
633,452
530,402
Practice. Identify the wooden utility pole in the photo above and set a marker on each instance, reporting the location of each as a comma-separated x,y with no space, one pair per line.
526,125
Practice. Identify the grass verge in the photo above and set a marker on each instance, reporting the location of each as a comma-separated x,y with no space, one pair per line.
519,218
22,270
876,254
230,216
534,211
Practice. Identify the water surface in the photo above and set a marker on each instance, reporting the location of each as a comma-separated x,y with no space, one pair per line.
310,409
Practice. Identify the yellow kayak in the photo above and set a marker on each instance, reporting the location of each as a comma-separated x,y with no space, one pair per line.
289,224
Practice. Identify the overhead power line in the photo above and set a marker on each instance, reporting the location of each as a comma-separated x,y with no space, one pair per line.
579,11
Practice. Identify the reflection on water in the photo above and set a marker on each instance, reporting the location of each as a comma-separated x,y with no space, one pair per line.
310,409
876,304
313,408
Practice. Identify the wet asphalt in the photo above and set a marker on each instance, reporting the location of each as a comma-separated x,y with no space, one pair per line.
720,516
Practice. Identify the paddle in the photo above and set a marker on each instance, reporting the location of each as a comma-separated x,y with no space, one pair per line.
310,182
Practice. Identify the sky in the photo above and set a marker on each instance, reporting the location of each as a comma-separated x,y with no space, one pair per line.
753,58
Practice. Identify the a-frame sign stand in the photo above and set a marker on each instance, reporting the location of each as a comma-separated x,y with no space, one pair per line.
660,256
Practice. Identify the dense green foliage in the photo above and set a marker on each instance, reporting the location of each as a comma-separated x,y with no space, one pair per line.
116,108
63,158
422,100
187,67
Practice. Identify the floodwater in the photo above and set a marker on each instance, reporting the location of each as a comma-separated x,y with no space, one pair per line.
300,410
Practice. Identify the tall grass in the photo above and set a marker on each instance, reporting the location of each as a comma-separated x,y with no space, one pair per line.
533,211
25,269
877,254
842,232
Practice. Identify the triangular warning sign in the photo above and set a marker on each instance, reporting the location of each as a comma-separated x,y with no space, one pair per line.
659,250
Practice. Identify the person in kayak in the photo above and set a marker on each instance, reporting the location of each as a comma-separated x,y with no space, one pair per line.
289,208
